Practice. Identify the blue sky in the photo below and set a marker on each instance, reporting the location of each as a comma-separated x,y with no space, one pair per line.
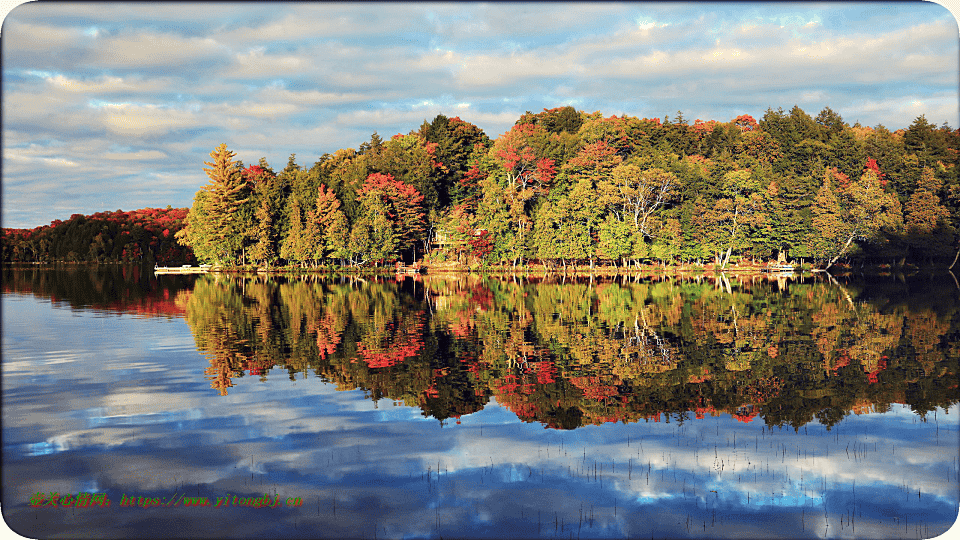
116,105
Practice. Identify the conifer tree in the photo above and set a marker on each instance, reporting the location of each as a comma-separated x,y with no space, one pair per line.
292,248
214,229
333,224
927,221
265,249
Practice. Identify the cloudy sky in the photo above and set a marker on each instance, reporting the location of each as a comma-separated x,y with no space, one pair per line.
115,106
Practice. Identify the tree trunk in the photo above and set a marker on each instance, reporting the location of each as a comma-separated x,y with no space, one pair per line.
726,257
842,251
954,259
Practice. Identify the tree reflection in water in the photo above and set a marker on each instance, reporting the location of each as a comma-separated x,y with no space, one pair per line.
567,353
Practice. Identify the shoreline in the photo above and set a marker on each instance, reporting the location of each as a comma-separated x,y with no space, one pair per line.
534,270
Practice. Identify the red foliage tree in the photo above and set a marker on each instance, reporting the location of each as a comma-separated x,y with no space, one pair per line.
405,204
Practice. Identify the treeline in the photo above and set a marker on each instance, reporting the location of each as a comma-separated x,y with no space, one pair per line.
145,236
564,186
561,186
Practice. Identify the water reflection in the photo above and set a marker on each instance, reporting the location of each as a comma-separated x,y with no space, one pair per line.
572,354
673,407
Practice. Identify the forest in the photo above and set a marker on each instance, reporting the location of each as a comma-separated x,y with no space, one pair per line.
565,187
144,236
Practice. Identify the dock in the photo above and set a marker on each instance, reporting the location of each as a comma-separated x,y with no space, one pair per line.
185,269
779,268
403,269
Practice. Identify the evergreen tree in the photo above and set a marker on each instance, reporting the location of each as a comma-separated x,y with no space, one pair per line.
294,247
265,249
215,229
373,237
927,221
333,224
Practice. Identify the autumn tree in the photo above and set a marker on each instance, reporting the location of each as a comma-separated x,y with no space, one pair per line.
594,161
725,225
295,246
333,224
860,212
556,120
411,160
374,236
214,229
927,221
626,134
502,215
265,248
517,175
523,160
404,208
634,194
455,143
268,199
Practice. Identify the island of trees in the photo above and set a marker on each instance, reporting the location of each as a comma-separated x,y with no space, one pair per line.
566,187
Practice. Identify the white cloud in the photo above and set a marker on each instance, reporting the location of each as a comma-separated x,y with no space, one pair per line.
315,97
31,38
257,63
303,24
140,155
253,109
414,116
145,120
146,49
816,96
107,84
18,155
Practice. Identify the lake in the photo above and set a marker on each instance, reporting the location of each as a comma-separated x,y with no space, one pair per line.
479,407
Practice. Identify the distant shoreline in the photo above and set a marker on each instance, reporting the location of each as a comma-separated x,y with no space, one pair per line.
535,270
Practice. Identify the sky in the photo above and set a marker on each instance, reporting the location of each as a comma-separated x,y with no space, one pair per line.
117,105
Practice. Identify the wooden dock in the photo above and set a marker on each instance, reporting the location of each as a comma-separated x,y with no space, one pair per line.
403,269
185,269
779,268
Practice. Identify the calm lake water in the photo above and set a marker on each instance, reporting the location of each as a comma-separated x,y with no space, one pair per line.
479,407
